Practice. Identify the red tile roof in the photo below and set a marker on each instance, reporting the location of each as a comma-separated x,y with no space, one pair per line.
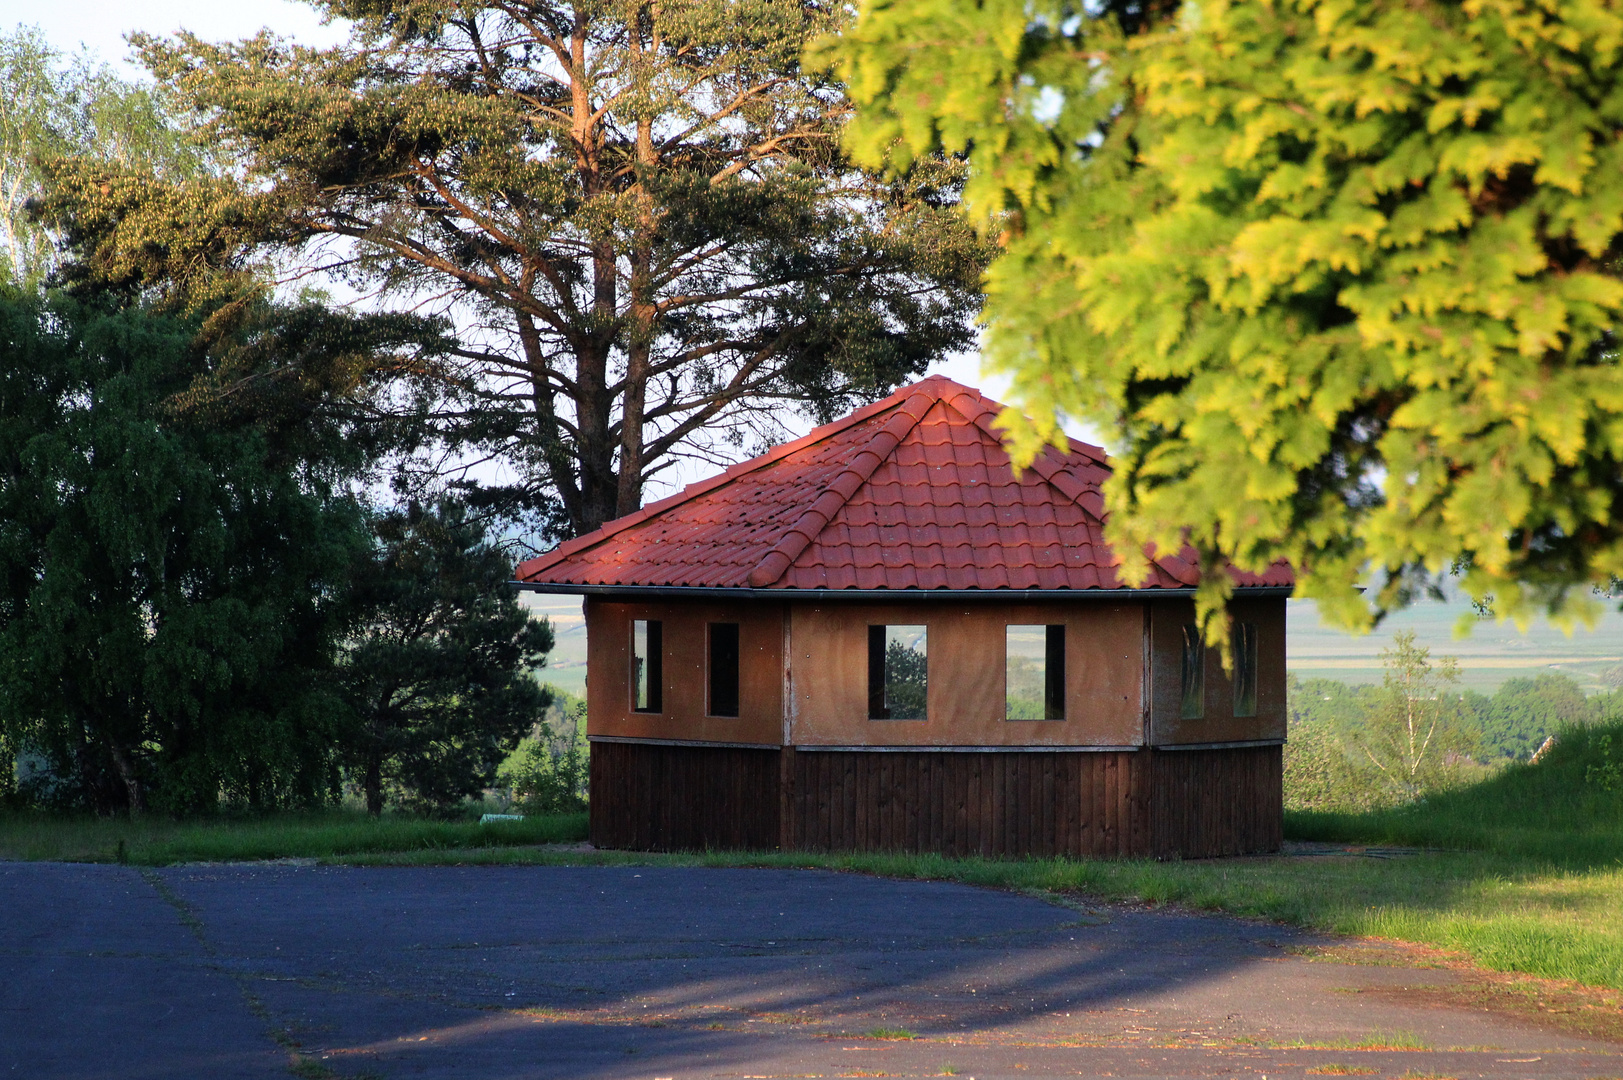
911,492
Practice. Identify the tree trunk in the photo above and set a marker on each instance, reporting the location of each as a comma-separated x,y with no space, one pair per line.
126,773
374,785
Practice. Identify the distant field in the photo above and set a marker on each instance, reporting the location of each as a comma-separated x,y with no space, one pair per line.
566,665
1491,654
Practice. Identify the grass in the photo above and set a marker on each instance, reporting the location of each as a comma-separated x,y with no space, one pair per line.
157,841
899,1034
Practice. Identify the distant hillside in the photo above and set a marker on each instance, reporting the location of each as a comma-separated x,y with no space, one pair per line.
566,664
1492,653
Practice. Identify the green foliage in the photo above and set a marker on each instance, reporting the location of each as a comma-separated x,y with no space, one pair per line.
1524,712
550,770
1414,736
438,677
56,106
1338,279
1368,747
1552,812
1606,770
906,687
640,214
170,591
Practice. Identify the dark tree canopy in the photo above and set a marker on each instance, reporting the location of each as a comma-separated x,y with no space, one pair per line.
639,216
439,677
171,591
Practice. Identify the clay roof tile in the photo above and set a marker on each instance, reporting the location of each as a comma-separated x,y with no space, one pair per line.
912,492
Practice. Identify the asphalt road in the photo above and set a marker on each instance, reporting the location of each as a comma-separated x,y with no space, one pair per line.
253,970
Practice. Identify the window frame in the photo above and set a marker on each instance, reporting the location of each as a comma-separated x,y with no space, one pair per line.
736,633
654,639
1053,670
1191,674
1243,649
878,676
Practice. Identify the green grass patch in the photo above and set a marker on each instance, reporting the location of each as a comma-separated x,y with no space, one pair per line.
159,841
901,1034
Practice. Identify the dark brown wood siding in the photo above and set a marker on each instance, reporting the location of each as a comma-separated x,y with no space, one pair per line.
1177,804
652,797
1218,802
967,803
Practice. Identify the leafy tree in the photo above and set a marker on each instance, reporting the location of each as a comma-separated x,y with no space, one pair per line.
1413,738
439,678
906,688
56,106
171,591
638,213
1339,279
1523,712
550,771
1322,771
1326,701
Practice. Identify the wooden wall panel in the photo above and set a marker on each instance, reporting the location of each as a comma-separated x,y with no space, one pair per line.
1104,645
653,797
1219,724
1207,803
1167,804
686,685
963,803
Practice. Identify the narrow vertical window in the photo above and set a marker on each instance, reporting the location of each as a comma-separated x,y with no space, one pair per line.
1244,644
723,669
1034,672
1192,705
897,668
647,666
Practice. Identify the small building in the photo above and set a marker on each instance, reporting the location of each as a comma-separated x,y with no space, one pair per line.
878,637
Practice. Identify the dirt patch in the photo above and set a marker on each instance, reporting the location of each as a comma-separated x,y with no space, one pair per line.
1548,1004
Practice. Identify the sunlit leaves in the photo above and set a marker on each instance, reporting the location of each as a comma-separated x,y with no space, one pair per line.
1339,277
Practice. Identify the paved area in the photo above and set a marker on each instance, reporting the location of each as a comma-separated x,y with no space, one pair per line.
541,972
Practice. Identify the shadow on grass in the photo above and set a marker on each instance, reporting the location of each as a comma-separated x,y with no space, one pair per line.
1566,811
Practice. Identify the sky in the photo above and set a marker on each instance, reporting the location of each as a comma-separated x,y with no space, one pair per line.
101,26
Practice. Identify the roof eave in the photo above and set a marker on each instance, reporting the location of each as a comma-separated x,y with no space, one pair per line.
701,593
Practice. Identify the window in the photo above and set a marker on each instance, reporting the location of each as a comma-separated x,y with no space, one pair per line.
1034,673
897,667
1192,705
723,669
1244,645
647,666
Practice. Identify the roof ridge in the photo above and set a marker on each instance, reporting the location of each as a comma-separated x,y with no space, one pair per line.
1058,476
839,491
548,559
1055,474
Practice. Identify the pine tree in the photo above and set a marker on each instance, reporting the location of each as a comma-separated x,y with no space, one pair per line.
638,214
440,674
